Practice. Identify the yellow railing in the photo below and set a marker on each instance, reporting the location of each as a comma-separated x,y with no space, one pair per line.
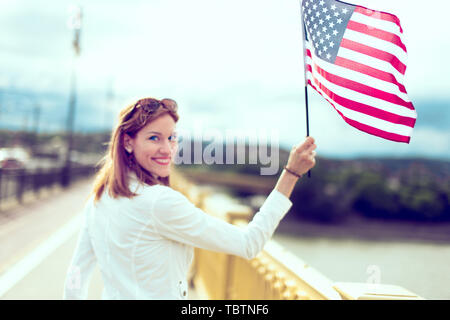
274,274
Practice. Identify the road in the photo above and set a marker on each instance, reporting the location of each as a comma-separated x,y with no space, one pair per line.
37,241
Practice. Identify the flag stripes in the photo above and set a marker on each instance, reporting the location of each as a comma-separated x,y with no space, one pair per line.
364,83
365,69
374,32
379,15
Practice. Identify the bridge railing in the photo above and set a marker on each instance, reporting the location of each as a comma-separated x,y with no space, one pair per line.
19,185
274,274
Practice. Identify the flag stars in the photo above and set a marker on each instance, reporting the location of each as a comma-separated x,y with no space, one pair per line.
323,21
326,19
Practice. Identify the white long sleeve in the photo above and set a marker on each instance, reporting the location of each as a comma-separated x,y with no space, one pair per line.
144,245
178,219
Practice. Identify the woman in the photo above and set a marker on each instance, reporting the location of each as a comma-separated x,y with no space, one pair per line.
141,232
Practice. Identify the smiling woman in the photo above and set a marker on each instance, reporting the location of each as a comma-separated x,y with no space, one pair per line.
154,146
142,144
142,232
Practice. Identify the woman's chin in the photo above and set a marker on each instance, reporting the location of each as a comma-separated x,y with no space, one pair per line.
165,175
162,173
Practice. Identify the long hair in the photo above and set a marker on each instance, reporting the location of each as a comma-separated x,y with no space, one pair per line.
115,166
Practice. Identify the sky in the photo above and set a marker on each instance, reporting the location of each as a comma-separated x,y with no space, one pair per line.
229,64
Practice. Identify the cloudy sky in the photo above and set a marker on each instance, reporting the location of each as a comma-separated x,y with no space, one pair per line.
229,64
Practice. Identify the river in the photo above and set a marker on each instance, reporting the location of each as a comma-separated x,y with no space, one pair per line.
419,264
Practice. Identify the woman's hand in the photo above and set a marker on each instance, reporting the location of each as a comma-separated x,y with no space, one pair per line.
301,158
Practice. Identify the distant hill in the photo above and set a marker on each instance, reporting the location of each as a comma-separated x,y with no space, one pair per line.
390,166
410,188
387,188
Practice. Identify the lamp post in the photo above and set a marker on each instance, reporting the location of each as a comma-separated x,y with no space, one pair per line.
74,23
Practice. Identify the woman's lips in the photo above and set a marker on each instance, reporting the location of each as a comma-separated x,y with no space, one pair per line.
162,161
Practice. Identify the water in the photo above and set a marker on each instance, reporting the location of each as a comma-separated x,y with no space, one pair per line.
420,267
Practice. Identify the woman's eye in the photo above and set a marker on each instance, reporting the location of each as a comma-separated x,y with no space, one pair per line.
173,138
153,138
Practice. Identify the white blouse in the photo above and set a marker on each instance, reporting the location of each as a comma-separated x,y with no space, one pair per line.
144,245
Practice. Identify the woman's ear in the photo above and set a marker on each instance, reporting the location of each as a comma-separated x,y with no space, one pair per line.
128,143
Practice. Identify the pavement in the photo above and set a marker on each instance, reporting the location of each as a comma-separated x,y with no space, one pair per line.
37,240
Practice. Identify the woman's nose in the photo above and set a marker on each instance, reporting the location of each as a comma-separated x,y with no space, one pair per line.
165,148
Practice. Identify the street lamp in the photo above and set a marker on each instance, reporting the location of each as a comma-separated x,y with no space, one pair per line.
74,23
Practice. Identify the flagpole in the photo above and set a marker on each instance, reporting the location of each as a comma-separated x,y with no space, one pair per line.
304,68
307,118
306,103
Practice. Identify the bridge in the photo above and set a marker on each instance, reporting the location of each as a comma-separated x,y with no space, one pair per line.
39,235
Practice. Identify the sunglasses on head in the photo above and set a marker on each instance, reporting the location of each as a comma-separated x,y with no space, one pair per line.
151,105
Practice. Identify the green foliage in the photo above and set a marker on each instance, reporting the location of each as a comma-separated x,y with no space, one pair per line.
321,197
386,189
401,195
428,202
373,198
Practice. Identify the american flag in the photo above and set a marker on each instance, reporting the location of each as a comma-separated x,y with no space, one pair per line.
356,60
